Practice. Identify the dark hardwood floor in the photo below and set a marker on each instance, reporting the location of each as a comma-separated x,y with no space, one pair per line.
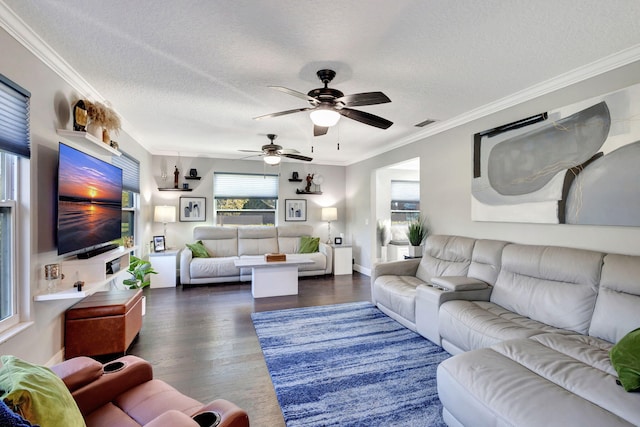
201,340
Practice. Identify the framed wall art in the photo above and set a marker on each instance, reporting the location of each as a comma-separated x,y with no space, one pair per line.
193,209
295,210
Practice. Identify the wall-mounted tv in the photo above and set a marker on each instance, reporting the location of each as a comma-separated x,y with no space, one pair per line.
89,201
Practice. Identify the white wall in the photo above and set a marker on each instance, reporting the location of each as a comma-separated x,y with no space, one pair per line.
50,109
445,177
180,233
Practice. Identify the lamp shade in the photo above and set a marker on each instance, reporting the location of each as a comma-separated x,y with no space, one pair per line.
164,214
329,214
324,117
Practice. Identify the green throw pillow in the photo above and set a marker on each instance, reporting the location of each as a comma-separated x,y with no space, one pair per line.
625,358
309,245
37,394
198,250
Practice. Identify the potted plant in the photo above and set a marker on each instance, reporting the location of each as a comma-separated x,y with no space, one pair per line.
139,270
416,233
382,234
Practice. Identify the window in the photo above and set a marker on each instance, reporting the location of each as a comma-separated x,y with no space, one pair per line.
14,141
245,199
130,192
405,202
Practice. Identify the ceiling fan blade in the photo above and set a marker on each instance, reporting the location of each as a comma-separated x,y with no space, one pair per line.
297,157
296,94
250,151
319,130
288,151
282,113
360,99
366,118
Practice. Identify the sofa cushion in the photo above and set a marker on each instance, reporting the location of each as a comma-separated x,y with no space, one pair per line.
38,394
198,250
553,285
616,312
551,378
319,261
202,268
625,357
486,260
398,293
309,245
219,241
476,324
257,240
289,237
445,256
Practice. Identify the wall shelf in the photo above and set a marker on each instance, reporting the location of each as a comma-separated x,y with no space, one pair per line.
308,192
175,189
294,180
92,271
83,137
193,177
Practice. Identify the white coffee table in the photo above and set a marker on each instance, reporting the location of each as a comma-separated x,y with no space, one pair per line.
272,279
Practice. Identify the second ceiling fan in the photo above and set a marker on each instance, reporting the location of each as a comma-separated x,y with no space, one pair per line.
327,105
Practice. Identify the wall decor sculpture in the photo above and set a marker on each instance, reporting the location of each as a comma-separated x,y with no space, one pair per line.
578,164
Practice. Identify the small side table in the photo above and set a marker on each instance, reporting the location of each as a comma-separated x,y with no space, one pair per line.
342,259
166,264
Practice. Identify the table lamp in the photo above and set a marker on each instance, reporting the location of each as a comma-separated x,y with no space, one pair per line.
329,214
164,214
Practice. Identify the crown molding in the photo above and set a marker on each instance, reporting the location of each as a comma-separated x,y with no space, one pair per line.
596,68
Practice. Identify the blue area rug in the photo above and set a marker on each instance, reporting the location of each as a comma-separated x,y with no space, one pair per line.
349,365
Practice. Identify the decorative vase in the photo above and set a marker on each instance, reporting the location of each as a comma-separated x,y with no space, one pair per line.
95,129
193,173
106,138
415,251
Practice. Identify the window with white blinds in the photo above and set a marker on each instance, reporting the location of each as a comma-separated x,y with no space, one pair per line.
14,118
245,199
405,201
130,171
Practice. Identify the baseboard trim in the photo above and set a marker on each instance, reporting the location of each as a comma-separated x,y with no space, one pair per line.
361,269
57,358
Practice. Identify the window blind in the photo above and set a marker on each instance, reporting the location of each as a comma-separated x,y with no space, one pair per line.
245,186
408,191
130,171
15,135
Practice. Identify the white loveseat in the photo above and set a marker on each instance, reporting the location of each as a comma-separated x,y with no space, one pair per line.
530,327
226,244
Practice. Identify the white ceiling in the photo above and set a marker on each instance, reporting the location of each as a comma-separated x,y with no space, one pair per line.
188,76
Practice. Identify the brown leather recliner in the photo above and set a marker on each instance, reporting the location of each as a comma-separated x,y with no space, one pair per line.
123,393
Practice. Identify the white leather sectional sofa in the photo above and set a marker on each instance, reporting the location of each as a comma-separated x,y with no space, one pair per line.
227,244
530,328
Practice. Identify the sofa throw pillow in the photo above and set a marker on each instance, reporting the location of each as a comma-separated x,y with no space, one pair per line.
625,358
309,245
37,394
198,250
8,418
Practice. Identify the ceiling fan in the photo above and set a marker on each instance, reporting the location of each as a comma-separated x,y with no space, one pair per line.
327,105
273,153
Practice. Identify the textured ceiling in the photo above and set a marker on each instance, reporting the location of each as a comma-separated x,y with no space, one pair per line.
188,76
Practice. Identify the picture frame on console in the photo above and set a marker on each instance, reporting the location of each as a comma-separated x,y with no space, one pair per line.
158,244
295,210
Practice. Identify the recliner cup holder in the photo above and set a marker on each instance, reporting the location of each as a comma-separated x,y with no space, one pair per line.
207,419
112,367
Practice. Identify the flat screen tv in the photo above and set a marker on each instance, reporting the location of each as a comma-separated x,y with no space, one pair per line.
89,202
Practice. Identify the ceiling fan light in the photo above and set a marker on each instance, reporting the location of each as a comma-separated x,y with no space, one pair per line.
272,159
324,117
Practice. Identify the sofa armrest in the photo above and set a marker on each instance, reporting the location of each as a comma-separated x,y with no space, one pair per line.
459,283
230,414
327,250
185,268
172,418
429,298
407,267
109,385
78,371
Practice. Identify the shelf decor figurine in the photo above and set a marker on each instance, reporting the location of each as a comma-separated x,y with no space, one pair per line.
176,174
193,173
80,117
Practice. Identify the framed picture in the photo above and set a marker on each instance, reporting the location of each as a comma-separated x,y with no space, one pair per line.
295,210
158,243
193,209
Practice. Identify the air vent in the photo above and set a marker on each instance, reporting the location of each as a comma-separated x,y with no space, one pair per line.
425,123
